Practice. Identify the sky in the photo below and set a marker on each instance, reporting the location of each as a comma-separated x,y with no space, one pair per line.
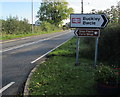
22,8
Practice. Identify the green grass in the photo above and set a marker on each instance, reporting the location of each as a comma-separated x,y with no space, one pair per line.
59,75
13,36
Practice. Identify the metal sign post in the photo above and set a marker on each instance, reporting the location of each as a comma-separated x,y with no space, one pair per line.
78,39
96,51
77,51
83,22
87,33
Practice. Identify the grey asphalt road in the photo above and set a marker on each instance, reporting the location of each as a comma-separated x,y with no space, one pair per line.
17,57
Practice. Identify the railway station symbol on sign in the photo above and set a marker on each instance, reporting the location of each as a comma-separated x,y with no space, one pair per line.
76,20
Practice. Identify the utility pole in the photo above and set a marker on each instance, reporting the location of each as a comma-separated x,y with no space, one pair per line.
119,12
32,17
82,6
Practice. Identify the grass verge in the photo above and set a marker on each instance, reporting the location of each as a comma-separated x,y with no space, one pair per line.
59,75
13,36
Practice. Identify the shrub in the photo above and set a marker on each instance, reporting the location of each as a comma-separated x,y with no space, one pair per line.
104,74
45,26
37,29
108,48
14,26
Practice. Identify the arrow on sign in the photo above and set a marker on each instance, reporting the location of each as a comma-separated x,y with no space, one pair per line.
87,32
105,20
88,20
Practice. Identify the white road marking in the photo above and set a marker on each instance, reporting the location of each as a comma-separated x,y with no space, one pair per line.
27,44
6,87
48,52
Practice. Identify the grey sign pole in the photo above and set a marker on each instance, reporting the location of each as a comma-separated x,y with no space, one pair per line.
77,51
96,51
78,40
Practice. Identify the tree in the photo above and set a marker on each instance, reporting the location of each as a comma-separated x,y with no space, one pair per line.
119,12
54,11
112,13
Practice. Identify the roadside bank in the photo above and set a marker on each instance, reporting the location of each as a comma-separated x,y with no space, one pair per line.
59,75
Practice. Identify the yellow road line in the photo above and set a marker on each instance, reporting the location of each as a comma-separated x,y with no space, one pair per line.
17,39
9,41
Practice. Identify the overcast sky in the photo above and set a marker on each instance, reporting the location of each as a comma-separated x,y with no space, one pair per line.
22,8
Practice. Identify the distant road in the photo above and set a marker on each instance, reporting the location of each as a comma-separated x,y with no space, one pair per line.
20,56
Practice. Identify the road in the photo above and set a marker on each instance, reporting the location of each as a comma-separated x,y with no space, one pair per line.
20,56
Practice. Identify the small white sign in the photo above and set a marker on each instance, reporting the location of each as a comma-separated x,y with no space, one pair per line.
88,20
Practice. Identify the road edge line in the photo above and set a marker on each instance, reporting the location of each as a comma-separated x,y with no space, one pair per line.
6,87
48,52
26,88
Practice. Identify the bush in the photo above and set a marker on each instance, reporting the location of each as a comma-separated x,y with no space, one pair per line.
109,48
45,26
37,29
105,74
14,26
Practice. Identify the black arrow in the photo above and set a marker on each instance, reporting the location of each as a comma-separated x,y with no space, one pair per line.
105,21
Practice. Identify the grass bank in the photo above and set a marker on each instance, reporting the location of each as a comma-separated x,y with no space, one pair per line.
13,36
59,75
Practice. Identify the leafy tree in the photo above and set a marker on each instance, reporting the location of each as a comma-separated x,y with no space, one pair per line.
112,13
119,12
54,11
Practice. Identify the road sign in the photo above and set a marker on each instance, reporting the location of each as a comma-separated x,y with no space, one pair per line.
88,20
87,33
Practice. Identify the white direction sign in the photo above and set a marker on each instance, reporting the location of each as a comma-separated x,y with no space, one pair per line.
88,20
